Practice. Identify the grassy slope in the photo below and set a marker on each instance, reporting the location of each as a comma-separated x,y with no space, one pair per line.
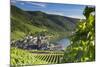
20,25
25,22
20,28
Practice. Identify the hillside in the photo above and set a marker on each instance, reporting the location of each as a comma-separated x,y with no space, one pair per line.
23,22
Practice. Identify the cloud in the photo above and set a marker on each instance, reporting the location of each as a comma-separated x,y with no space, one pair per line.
77,16
55,13
64,14
22,3
13,1
38,4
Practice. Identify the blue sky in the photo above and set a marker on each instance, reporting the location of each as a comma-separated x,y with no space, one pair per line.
69,10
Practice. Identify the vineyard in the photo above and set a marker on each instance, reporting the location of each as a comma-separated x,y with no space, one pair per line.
24,57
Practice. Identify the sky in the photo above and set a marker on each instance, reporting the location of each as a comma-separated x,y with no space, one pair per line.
69,10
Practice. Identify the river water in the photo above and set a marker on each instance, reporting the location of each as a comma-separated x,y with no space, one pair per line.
64,42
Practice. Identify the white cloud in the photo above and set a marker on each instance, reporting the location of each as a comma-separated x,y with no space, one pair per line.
76,16
13,1
38,4
22,3
55,12
63,14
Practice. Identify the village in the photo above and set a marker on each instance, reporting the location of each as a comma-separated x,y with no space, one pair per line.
39,42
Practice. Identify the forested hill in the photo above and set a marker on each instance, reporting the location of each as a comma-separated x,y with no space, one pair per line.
23,22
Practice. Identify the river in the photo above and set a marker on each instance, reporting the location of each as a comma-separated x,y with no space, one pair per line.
63,42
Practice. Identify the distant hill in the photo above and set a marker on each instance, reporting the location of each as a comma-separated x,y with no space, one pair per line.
23,22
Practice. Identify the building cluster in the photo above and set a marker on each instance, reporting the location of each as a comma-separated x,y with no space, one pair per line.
39,42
